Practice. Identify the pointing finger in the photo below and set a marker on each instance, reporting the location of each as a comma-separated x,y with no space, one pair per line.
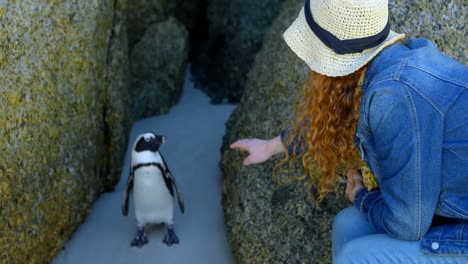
240,144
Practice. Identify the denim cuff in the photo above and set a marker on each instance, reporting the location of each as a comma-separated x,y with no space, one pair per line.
358,197
284,137
297,144
364,199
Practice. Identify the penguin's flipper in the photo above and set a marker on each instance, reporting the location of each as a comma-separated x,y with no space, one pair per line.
179,193
128,189
173,181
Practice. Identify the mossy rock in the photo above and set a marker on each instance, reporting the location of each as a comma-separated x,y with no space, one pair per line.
443,22
158,64
117,101
269,223
144,13
235,34
63,124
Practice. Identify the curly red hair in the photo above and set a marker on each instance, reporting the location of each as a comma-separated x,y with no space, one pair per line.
326,121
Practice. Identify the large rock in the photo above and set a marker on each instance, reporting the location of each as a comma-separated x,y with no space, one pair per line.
235,34
144,13
443,22
117,101
64,121
158,64
155,87
268,223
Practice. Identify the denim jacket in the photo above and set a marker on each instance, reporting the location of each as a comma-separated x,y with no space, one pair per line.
413,134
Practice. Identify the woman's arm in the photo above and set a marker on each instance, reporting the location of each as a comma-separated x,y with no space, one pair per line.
407,142
259,150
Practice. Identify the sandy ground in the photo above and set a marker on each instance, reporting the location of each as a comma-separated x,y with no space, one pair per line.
194,129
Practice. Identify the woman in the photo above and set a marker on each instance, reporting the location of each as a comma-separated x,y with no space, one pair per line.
394,109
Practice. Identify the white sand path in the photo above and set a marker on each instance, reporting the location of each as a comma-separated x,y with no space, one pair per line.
194,129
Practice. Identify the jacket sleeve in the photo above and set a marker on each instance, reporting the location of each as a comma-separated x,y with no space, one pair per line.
297,144
407,147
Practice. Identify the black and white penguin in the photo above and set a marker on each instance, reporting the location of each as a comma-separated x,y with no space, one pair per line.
152,184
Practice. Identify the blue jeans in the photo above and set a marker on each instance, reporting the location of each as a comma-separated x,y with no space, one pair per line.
353,241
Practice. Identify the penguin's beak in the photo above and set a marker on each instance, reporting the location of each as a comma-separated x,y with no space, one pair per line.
164,140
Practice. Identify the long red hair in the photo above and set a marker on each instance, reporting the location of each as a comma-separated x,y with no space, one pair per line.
326,121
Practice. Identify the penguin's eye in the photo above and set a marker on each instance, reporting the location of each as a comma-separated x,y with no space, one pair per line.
148,138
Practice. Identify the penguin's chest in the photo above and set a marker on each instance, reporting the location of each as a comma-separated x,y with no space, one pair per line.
153,201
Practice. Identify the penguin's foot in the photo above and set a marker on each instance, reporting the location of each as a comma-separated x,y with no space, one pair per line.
140,238
170,238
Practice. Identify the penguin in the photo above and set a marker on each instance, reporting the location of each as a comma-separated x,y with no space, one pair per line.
152,184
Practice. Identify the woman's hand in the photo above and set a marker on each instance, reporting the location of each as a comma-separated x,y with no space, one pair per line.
259,150
353,184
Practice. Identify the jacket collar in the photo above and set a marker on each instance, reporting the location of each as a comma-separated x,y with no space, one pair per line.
378,67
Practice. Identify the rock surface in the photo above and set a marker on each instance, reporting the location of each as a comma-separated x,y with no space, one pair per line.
158,64
155,87
117,101
64,121
443,22
235,35
144,13
268,223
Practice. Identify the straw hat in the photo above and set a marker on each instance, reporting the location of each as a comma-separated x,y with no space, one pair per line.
337,37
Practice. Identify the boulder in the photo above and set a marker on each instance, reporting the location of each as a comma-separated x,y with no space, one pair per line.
158,64
64,120
155,87
144,13
271,223
235,35
117,101
267,222
443,22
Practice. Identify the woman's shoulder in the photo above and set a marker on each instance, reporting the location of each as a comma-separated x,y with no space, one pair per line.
427,61
389,91
416,62
386,102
